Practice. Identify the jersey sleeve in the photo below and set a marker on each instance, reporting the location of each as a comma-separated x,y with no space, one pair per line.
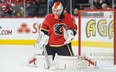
74,26
45,26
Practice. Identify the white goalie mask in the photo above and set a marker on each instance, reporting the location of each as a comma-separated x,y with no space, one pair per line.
57,8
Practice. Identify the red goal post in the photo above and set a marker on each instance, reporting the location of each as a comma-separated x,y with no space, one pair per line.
97,29
115,36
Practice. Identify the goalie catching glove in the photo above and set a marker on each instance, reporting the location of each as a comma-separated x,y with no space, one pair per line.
41,40
68,36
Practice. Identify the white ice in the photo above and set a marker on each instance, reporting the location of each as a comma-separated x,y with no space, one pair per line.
14,57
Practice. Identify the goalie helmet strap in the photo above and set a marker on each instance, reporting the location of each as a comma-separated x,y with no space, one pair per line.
61,17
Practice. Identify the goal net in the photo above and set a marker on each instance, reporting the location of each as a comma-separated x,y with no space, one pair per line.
96,34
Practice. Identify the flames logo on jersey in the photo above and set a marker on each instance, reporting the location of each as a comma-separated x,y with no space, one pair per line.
58,28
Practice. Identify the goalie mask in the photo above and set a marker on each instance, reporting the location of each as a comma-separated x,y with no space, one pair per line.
57,9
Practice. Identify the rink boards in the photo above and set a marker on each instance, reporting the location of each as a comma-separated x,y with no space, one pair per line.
23,31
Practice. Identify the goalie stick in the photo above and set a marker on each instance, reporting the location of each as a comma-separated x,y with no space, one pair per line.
46,57
44,48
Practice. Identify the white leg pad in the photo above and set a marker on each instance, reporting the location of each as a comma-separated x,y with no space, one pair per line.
66,62
41,62
74,62
85,62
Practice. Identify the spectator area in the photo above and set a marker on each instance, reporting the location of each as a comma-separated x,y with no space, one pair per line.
39,8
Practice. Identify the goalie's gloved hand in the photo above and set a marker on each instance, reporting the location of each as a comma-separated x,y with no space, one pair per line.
41,40
68,36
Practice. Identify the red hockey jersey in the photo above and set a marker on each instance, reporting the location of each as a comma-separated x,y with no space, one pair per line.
55,28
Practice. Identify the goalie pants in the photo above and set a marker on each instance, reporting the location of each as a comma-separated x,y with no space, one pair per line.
65,50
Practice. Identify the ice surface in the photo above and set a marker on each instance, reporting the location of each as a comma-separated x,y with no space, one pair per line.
13,58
